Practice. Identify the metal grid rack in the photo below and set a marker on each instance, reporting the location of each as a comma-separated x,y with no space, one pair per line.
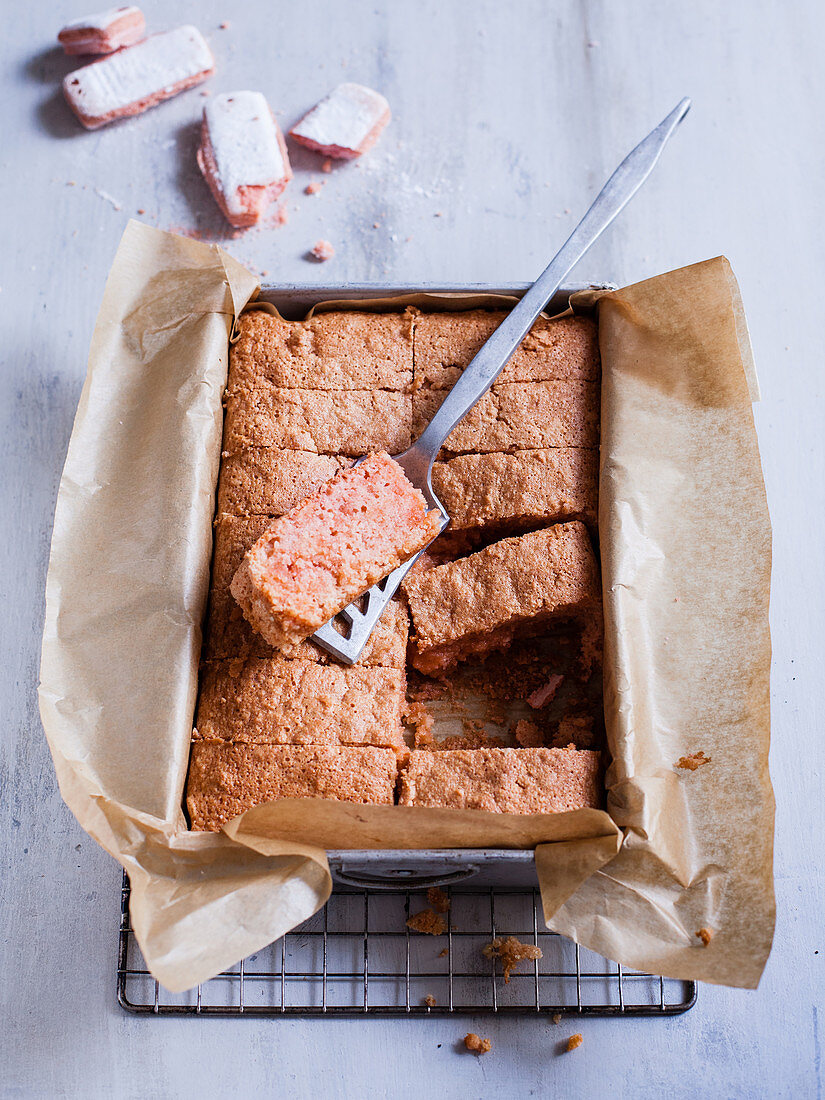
357,957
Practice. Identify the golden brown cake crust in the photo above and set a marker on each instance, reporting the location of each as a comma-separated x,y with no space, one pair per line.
519,415
472,605
339,350
345,422
277,701
225,780
228,634
545,485
564,348
516,781
265,481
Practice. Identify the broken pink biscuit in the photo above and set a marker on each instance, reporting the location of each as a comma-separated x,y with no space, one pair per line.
242,156
310,563
345,124
322,250
541,696
103,33
132,80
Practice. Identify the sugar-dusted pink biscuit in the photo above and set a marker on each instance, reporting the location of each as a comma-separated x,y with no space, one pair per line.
133,80
345,124
104,32
242,156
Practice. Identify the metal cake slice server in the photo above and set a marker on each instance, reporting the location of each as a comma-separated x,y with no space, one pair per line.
345,635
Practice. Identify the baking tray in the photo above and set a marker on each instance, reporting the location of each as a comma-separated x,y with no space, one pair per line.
391,870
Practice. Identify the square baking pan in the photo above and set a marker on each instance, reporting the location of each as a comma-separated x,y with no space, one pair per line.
393,869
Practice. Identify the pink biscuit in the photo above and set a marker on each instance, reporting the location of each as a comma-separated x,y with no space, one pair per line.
132,80
345,124
103,33
242,156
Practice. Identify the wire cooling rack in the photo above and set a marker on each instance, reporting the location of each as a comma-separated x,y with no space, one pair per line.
357,957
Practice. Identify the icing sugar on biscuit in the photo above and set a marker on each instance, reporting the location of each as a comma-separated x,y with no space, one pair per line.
345,124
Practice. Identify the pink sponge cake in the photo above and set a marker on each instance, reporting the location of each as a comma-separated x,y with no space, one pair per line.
132,80
242,156
312,562
345,124
103,33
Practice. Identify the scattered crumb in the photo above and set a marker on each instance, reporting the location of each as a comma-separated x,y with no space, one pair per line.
574,1041
528,734
282,216
313,188
422,722
141,211
206,92
322,250
438,214
705,935
236,667
477,1044
264,274
376,225
438,899
545,693
71,183
557,1017
428,922
511,952
225,25
575,729
327,165
442,954
692,762
430,1001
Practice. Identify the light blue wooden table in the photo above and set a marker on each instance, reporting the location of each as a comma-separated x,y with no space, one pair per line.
508,117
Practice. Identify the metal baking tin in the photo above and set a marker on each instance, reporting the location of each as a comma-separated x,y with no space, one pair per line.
391,869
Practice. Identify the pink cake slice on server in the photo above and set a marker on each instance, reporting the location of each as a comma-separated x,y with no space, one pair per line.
242,156
130,81
345,124
104,32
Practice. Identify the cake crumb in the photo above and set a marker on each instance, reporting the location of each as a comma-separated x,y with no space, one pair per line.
282,216
430,1001
327,165
557,1017
511,952
428,922
692,762
322,250
442,954
705,935
476,1044
438,899
141,211
225,25
422,722
313,188
528,734
574,1041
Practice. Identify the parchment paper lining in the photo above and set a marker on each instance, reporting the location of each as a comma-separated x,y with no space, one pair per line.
125,595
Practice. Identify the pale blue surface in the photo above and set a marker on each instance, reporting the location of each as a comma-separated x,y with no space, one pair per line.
508,117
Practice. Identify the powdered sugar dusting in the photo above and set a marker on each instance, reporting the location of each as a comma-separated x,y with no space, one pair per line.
344,118
102,21
244,142
139,72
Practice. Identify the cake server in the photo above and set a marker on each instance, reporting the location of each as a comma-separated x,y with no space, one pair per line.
345,635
